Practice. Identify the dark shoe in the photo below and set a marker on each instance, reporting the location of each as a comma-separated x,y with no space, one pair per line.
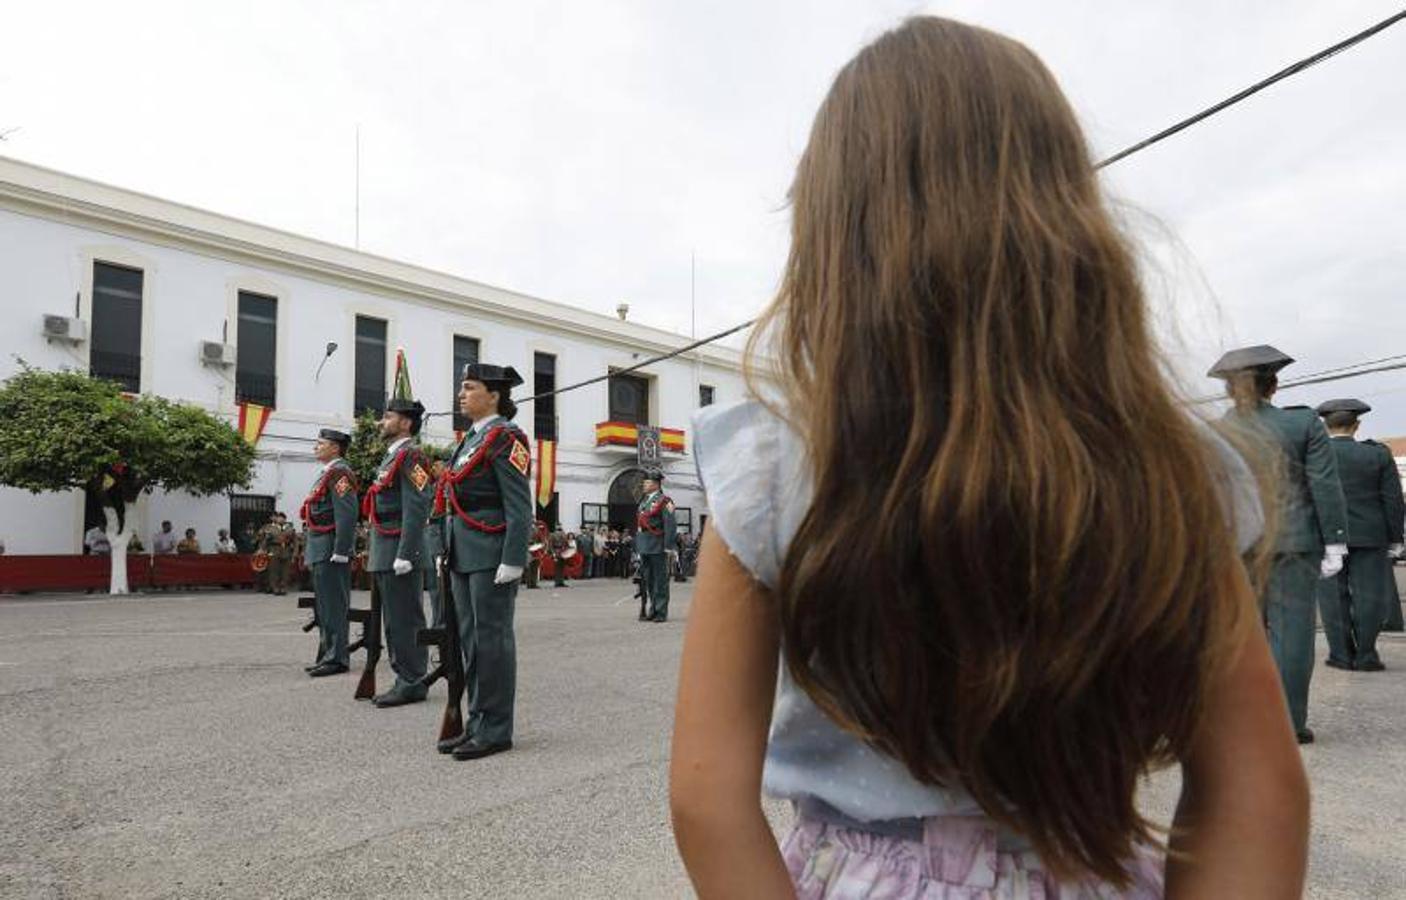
327,668
1305,736
1338,664
644,618
658,618
398,697
472,749
311,667
1372,666
449,745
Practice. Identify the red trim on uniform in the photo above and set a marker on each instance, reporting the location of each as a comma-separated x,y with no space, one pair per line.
368,506
444,491
305,513
642,519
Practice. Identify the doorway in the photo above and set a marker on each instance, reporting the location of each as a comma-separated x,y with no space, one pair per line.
623,498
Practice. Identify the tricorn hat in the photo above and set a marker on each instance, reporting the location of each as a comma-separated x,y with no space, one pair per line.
1356,407
406,407
492,375
1262,358
335,436
654,475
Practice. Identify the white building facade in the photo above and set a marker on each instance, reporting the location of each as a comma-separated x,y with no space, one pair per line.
212,311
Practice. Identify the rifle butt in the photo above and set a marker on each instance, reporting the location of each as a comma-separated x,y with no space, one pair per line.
366,685
452,724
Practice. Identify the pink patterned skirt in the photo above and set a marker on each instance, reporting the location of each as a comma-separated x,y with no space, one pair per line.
957,859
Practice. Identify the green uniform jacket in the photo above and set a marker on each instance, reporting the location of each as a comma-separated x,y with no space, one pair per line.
656,524
1313,512
401,504
333,502
495,493
1375,510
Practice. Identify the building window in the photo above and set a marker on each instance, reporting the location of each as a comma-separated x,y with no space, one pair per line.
629,399
370,366
596,515
116,350
705,395
544,411
683,519
255,375
465,354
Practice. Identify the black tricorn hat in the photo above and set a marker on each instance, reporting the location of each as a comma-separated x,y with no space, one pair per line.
654,475
412,408
1356,407
492,375
1261,357
335,436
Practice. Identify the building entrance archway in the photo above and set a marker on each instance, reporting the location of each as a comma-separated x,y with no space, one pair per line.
623,498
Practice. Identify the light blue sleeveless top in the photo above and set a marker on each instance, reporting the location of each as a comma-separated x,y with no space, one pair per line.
753,469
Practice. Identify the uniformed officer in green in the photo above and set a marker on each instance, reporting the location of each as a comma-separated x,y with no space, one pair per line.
654,542
1312,537
488,521
329,515
397,505
1355,602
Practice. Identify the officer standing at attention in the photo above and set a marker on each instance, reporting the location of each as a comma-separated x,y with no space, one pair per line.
1312,539
397,505
329,515
1355,602
655,544
487,525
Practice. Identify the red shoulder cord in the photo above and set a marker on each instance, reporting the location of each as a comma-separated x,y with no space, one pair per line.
642,520
368,506
317,494
444,491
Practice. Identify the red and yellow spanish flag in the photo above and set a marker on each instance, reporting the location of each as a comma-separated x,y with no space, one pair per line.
252,419
546,472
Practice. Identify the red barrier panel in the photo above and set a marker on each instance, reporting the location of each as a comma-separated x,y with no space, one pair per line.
74,572
68,572
575,566
202,569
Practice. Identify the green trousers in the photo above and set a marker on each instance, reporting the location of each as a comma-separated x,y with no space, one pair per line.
1354,605
489,645
403,612
1393,608
654,575
1289,621
331,585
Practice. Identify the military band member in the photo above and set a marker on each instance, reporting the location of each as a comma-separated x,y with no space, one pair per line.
1312,538
1355,602
487,526
329,515
397,505
654,542
278,537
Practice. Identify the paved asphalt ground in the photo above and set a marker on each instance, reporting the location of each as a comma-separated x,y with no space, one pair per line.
170,746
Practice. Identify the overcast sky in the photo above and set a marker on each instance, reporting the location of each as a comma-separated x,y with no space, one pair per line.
582,152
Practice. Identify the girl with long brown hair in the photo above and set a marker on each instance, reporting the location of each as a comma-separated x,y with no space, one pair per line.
999,562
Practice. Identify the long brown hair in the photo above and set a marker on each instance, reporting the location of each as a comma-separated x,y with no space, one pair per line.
1012,575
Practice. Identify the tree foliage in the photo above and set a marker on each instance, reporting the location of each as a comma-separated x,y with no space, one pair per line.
65,430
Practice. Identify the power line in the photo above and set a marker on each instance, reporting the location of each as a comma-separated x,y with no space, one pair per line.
1255,88
1303,379
1162,135
1325,377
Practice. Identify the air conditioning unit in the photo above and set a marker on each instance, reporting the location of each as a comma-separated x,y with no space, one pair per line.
213,353
62,328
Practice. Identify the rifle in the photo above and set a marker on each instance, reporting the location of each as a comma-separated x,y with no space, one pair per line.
641,594
370,641
310,624
445,636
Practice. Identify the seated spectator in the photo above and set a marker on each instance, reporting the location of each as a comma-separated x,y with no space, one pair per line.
188,544
164,541
224,543
95,541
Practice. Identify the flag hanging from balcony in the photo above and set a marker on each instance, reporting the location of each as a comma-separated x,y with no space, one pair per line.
546,472
400,389
252,419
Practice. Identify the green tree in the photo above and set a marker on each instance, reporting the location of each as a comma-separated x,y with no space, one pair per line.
66,431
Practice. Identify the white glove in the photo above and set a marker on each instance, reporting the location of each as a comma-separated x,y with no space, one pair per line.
337,558
1333,556
1395,550
507,574
401,566
438,561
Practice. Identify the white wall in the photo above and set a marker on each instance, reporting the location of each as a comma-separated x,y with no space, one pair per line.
188,295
